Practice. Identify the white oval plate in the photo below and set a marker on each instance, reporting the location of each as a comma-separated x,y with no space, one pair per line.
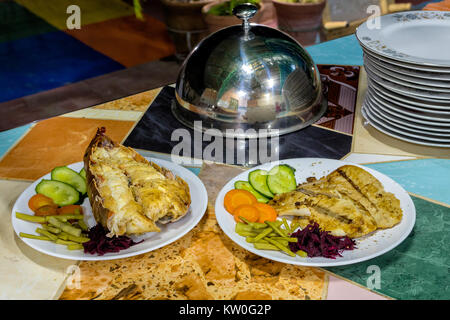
421,37
152,240
368,247
391,133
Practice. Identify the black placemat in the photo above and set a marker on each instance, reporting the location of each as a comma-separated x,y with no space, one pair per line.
154,133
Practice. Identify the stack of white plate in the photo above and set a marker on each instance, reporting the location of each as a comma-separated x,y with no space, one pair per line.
407,59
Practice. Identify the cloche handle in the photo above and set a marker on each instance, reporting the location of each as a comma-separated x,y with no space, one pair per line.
245,12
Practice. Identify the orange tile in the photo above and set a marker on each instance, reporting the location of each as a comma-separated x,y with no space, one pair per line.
55,142
127,40
439,6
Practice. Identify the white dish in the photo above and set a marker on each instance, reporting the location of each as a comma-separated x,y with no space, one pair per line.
414,133
391,133
394,116
417,93
403,37
378,243
445,132
424,84
152,240
408,101
441,119
409,66
431,112
413,73
406,116
443,114
407,85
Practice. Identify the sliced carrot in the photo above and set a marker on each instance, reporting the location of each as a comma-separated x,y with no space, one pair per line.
246,211
39,200
70,209
236,197
48,210
266,212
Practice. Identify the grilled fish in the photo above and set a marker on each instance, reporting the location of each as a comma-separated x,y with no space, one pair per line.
129,194
349,201
337,215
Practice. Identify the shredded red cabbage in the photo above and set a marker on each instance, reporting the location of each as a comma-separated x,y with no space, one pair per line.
319,243
100,244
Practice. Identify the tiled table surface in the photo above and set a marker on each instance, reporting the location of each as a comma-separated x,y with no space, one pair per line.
408,272
49,69
35,38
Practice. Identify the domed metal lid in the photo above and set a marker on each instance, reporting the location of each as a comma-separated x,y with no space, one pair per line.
249,77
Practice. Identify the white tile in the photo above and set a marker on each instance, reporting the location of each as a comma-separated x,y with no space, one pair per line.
24,272
362,158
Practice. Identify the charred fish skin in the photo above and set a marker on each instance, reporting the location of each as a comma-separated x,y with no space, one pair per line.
120,197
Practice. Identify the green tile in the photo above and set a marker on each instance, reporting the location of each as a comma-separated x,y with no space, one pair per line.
17,22
419,268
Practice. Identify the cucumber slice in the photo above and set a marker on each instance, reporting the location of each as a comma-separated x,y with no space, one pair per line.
69,176
281,179
62,193
82,173
244,185
258,180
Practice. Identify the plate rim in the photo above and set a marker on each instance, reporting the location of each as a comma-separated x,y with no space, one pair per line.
399,129
399,136
411,83
87,257
399,72
392,95
393,106
402,121
417,93
407,65
332,262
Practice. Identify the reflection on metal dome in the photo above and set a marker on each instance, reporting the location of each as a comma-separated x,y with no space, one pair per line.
249,76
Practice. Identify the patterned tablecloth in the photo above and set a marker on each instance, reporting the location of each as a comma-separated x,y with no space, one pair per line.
205,263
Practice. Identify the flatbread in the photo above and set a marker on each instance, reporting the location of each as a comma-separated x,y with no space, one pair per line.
204,264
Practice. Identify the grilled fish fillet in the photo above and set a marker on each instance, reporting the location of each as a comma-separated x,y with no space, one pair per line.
360,186
164,198
129,194
339,216
349,201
